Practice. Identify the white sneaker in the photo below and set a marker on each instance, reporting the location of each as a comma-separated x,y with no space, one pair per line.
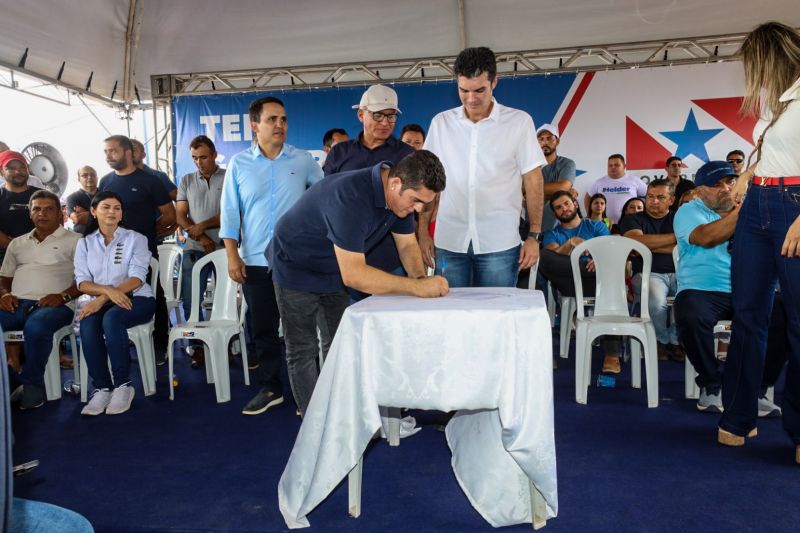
121,399
767,409
98,403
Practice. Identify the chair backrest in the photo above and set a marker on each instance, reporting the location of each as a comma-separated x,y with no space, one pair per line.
610,253
533,274
152,278
169,259
225,304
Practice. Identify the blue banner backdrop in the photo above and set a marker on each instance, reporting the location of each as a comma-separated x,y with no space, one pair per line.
312,112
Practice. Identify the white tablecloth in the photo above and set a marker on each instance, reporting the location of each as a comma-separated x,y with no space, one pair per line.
484,351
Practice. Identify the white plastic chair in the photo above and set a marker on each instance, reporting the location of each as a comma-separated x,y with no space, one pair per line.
224,323
52,372
142,338
170,260
611,313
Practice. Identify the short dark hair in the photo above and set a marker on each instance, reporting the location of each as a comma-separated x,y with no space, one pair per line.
124,142
472,62
421,168
671,159
136,142
327,139
617,156
412,127
201,140
257,104
662,183
735,152
559,194
43,194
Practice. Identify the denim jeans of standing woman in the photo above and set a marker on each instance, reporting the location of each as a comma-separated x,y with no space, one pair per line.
756,266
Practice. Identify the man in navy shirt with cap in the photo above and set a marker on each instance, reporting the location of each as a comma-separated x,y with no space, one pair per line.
319,249
378,111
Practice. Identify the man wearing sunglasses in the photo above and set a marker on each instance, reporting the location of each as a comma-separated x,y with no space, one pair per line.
736,160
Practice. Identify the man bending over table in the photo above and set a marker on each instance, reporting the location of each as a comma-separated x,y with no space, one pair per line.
319,249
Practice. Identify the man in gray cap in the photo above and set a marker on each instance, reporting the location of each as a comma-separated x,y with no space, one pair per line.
378,111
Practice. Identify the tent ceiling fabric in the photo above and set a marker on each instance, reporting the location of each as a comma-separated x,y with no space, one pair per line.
180,36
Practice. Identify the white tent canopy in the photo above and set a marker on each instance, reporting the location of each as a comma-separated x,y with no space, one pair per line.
145,37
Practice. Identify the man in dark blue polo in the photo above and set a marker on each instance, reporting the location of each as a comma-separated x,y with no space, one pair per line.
319,249
378,112
148,210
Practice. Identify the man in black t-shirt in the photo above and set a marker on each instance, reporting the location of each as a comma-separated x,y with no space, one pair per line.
653,228
79,202
144,198
14,198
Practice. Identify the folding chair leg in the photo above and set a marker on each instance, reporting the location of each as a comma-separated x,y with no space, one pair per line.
393,429
354,488
538,507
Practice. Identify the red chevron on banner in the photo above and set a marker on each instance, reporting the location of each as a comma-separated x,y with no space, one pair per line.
726,110
642,150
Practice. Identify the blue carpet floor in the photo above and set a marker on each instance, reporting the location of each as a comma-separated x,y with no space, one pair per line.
195,465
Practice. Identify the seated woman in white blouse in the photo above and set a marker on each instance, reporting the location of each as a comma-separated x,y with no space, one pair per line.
111,264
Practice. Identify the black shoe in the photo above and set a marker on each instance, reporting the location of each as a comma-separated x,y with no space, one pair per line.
198,357
161,357
32,397
261,402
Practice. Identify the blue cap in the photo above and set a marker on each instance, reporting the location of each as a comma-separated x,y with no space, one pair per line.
713,171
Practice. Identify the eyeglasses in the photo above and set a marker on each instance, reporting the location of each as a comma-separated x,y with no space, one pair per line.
736,161
378,116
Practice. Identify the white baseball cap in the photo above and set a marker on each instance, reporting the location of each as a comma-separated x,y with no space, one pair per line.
378,98
548,127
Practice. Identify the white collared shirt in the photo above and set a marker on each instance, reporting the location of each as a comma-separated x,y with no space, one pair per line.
780,153
40,268
484,162
126,256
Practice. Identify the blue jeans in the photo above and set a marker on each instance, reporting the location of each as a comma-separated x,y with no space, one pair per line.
38,328
496,269
113,322
661,286
190,257
756,265
29,516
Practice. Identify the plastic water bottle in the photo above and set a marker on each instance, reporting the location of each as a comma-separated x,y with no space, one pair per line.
606,381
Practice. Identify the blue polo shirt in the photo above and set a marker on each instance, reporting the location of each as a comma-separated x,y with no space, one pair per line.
700,268
352,155
586,230
142,193
257,191
347,210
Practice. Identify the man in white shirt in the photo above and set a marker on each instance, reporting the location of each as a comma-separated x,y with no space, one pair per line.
36,287
618,187
489,152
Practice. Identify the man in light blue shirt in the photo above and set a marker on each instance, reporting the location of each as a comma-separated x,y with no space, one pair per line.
703,229
261,184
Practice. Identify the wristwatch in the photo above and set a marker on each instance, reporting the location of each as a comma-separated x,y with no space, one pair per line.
536,235
66,297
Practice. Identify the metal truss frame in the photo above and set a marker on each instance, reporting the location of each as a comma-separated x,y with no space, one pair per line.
659,53
524,63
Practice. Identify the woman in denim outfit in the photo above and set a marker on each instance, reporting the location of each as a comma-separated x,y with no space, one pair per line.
111,264
766,247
